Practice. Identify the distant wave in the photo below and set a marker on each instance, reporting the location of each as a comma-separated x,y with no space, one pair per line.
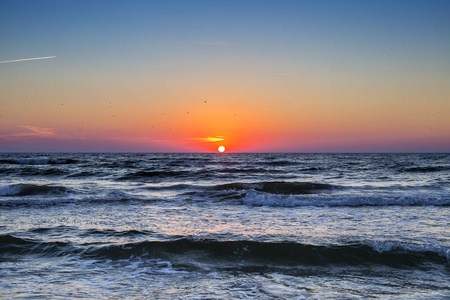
25,171
20,195
198,174
243,170
23,189
171,187
152,174
427,169
270,193
85,174
279,163
11,245
283,253
254,198
278,187
236,191
37,161
56,201
114,233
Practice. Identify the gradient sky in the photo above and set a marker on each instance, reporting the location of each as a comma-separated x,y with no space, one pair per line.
254,76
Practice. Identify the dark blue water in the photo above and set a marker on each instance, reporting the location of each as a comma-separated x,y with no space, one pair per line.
202,226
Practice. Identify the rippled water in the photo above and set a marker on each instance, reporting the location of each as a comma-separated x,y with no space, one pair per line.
225,225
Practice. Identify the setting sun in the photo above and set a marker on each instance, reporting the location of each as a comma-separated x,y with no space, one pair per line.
221,149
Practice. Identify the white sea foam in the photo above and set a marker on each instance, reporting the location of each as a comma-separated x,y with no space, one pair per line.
254,198
385,246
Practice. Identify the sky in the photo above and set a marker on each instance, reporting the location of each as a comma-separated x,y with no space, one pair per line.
253,76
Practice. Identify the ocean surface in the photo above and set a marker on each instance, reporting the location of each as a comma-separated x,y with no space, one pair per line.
225,226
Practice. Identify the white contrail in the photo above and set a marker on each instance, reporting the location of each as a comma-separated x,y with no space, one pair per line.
25,59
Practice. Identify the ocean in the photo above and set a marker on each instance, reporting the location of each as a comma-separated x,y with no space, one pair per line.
224,226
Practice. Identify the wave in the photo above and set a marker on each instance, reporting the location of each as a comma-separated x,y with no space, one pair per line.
114,233
152,174
63,196
427,169
23,189
198,174
38,161
393,254
47,201
85,174
244,170
280,163
312,169
33,171
7,171
278,187
171,187
11,245
239,190
254,198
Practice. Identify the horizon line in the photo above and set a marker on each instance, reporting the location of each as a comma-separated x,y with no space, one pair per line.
215,152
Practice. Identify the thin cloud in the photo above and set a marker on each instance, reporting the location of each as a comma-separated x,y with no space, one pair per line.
209,139
150,139
33,131
26,59
40,131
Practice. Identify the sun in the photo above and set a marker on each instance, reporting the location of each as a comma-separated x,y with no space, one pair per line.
221,149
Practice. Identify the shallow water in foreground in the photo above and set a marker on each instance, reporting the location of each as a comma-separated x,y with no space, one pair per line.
202,226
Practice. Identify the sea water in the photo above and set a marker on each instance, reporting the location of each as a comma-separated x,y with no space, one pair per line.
225,226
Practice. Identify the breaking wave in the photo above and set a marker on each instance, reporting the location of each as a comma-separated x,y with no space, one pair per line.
279,187
23,189
393,254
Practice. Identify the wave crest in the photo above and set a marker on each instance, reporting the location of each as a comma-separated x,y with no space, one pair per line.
152,174
279,187
23,189
254,198
427,169
358,253
281,252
